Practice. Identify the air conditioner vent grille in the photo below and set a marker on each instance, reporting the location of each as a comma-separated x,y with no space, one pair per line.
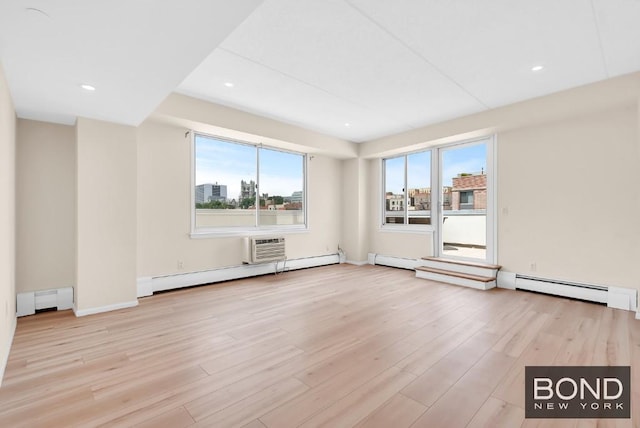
260,250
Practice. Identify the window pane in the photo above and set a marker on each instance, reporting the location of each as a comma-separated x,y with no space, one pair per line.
394,190
225,177
281,188
464,180
465,176
419,188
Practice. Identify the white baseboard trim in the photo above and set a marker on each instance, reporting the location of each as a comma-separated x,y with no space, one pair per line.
638,315
107,308
506,280
622,298
398,262
352,262
171,282
25,303
5,359
144,286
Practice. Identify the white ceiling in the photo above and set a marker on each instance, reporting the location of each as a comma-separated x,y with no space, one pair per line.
135,52
383,67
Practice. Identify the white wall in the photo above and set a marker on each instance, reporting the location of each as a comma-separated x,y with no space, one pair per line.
568,199
133,191
568,167
46,206
560,106
355,209
106,215
465,229
7,221
215,119
164,211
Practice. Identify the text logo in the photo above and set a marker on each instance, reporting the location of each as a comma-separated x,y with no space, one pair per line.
577,392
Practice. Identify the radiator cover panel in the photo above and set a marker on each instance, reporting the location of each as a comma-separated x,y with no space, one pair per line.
593,293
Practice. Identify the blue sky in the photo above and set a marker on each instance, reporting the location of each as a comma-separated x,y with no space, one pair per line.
221,162
463,159
472,158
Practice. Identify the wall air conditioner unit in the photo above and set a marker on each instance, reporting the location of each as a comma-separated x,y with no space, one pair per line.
261,250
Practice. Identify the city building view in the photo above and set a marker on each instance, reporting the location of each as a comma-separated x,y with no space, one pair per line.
468,192
211,192
215,196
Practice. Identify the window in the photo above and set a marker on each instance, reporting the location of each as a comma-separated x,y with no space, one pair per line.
240,186
394,186
407,189
466,200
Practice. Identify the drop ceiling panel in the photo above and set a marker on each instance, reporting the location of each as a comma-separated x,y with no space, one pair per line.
134,52
382,66
269,93
490,47
331,46
619,25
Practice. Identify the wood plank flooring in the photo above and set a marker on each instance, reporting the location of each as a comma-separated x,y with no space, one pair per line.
336,346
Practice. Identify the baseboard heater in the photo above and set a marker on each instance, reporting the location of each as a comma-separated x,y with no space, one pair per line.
32,301
391,261
147,286
574,290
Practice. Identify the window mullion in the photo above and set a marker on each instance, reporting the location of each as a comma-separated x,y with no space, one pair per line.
383,186
257,202
406,191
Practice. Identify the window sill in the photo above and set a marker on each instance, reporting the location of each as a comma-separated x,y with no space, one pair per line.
227,233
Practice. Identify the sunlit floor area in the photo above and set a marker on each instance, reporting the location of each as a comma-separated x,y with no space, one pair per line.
464,251
336,346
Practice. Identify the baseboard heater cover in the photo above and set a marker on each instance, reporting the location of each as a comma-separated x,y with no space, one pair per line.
147,286
59,298
589,292
391,261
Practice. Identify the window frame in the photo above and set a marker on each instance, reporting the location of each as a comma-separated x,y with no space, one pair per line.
257,229
405,226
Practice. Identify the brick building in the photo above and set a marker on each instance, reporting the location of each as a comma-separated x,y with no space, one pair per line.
469,192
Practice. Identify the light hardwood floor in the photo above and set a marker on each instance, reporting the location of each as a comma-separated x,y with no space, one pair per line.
337,346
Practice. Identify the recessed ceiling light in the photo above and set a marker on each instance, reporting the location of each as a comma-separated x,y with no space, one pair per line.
537,68
228,84
87,87
347,124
